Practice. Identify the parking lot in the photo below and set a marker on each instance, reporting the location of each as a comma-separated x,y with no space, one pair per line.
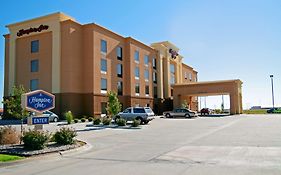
245,144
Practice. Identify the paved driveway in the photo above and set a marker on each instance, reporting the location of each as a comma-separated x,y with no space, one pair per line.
244,144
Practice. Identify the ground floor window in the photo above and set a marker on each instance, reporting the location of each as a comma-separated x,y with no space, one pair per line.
103,108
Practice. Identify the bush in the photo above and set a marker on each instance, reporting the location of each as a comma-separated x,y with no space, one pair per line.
68,117
106,121
90,119
136,123
83,120
35,140
76,120
65,136
121,122
8,135
97,121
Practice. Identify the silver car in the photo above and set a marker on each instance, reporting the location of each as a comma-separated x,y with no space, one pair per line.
144,114
180,112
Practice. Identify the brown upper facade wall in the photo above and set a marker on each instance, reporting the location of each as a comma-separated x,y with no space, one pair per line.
71,57
24,56
188,74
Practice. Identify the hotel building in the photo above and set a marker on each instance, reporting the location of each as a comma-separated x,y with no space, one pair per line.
80,63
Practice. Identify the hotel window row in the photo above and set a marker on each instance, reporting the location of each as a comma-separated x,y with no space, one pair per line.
34,65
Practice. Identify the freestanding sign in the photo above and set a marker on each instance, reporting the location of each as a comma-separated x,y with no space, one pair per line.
38,101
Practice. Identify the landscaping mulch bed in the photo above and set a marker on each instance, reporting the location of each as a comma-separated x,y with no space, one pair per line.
50,148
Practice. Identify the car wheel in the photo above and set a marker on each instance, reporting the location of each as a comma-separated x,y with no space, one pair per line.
168,115
56,119
187,116
116,118
141,120
146,122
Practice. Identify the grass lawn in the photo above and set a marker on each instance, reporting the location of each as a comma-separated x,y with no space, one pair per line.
6,158
257,111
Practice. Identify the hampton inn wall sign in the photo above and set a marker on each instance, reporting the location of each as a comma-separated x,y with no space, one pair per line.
31,30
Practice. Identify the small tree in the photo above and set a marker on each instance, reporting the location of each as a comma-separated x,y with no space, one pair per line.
184,104
13,104
113,104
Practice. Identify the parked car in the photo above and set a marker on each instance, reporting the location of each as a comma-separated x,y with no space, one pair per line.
180,112
274,110
205,111
52,116
144,114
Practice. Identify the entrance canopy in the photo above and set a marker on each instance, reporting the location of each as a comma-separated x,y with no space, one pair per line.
229,87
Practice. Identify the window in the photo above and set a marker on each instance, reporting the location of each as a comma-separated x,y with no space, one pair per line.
119,53
154,63
185,75
190,76
34,46
146,89
146,74
139,110
155,91
172,74
172,68
34,65
128,110
137,56
103,107
103,85
103,65
172,79
154,76
34,84
119,70
120,88
146,60
137,72
103,46
137,88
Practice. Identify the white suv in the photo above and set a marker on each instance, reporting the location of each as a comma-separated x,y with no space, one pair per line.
144,114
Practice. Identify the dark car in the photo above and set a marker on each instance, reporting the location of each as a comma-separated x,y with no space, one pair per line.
274,110
180,112
205,111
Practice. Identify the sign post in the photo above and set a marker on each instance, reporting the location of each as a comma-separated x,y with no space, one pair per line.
38,101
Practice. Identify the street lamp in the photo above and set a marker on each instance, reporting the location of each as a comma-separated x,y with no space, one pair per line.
271,76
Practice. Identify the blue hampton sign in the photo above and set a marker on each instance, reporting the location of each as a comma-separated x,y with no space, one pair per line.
40,120
38,101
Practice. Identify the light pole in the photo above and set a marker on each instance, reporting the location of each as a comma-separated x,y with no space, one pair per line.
271,76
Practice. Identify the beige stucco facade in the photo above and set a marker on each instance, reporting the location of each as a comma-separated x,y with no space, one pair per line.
70,66
226,87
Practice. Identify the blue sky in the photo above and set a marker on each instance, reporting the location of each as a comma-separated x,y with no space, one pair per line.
221,39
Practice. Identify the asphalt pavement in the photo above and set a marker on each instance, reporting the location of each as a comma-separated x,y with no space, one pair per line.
245,144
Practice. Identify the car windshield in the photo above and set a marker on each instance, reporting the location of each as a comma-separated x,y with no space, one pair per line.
128,110
148,110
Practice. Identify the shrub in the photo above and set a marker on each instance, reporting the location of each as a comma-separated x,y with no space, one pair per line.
65,136
83,120
136,123
121,122
106,121
68,117
76,120
96,121
35,140
8,135
90,119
